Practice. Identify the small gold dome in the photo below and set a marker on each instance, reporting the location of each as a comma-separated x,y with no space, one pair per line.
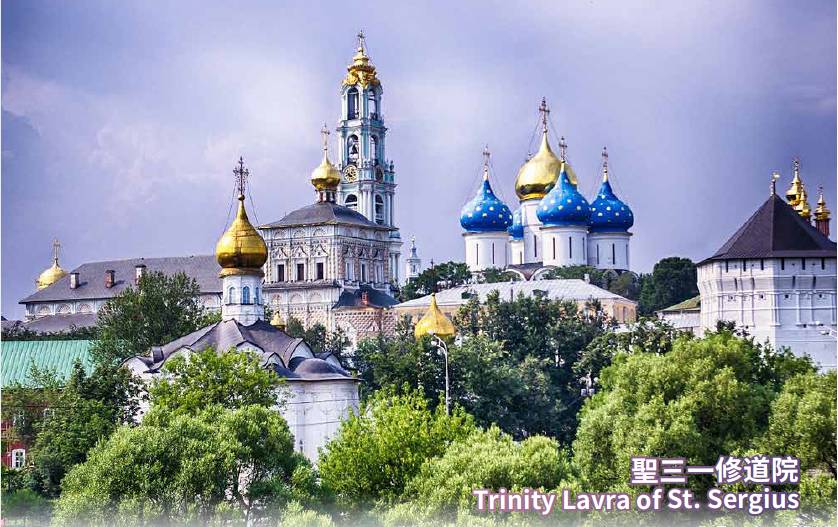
821,212
277,321
241,250
326,176
53,273
361,71
434,322
539,174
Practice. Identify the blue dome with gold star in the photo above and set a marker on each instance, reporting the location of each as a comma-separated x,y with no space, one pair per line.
608,212
564,204
486,212
516,230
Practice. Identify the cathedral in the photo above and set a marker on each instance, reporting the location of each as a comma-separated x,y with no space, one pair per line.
554,224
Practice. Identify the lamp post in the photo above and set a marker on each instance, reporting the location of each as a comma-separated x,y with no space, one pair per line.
444,347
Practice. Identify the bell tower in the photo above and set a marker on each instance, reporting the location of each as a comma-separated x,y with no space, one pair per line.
368,180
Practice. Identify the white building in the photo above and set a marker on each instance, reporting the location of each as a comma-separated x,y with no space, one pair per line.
554,226
775,277
319,393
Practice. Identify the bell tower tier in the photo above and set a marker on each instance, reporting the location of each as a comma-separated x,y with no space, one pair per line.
368,182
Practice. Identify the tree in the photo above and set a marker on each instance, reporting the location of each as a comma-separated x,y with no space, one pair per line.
231,380
234,462
160,309
802,421
321,340
705,398
378,450
486,459
579,272
494,275
672,281
435,278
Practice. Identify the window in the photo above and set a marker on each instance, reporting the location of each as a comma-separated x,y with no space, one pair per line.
373,105
351,202
352,148
280,273
349,274
613,254
803,263
301,272
554,248
245,295
379,209
18,418
727,266
374,149
363,272
18,458
823,263
352,103
257,296
597,254
493,253
762,265
782,264
535,245
320,271
476,254
570,247
231,295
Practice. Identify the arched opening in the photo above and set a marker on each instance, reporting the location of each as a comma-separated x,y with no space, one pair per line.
351,202
373,104
245,295
231,295
352,103
374,149
352,148
379,209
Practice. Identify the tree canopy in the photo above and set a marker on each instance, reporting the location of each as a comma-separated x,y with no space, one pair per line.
672,281
435,278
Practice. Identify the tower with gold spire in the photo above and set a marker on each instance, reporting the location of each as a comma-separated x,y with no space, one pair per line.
368,180
241,252
54,272
796,194
822,214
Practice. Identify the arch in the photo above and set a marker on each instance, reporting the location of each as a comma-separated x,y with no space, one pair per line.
352,103
351,202
64,309
315,297
379,209
231,295
44,310
539,274
374,149
352,152
85,308
372,103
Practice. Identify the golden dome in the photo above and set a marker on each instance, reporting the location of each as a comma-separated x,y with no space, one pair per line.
434,322
361,71
53,273
241,250
821,212
793,194
277,321
803,207
538,175
326,176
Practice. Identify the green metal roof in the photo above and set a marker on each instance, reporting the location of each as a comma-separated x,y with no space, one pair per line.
17,357
690,304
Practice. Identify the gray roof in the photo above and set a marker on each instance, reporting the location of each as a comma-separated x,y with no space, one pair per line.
324,213
375,298
204,269
570,289
230,334
776,230
60,323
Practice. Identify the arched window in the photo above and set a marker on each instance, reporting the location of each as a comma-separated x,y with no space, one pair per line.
352,148
379,209
351,201
352,103
373,104
231,295
245,295
256,296
374,149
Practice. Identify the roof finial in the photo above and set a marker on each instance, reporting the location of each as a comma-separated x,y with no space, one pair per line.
241,174
774,177
362,43
562,149
324,133
56,246
486,155
544,111
604,163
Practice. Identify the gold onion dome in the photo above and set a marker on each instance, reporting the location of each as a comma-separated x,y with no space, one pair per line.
326,176
821,212
277,321
361,71
539,174
241,250
434,322
53,273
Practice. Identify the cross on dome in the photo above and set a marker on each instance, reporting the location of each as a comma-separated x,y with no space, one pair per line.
241,175
544,110
562,149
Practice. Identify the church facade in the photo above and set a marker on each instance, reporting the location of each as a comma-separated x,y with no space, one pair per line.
554,225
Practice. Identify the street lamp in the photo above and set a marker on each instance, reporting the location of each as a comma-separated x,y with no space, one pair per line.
439,327
439,343
588,383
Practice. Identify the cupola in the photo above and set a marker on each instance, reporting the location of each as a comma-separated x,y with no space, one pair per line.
241,250
539,173
485,212
609,213
54,272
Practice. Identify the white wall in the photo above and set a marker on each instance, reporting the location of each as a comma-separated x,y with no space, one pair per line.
564,245
532,231
776,300
485,250
232,308
613,250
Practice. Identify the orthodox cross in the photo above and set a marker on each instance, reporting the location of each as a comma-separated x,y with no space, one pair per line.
486,155
56,246
241,174
544,111
562,149
604,163
324,132
362,45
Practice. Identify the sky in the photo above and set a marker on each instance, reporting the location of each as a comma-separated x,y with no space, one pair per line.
121,121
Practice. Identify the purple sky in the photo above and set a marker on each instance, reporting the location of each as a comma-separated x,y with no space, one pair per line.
122,120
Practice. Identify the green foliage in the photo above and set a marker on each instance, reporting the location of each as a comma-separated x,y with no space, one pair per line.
672,281
377,451
319,338
296,516
160,309
24,404
803,420
436,278
19,332
598,277
493,275
231,380
703,399
193,467
26,505
486,459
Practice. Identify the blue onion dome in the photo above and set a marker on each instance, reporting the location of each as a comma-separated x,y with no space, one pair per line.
608,213
564,205
486,212
516,230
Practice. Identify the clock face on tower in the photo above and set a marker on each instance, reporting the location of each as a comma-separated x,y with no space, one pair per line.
350,174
